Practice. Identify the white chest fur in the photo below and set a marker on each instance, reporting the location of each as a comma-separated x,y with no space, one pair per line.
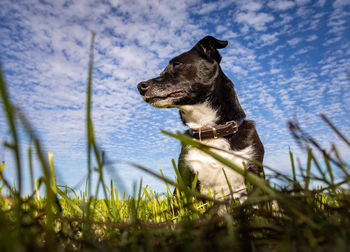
210,171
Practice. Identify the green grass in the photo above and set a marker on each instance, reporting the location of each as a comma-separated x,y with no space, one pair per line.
297,217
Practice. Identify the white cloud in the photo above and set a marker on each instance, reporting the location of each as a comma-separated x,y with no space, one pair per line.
302,2
221,29
251,5
269,39
321,3
256,20
275,71
302,51
231,35
206,8
311,38
340,3
294,41
281,5
338,21
331,41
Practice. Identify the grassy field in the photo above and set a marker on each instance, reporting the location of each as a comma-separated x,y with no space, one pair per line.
296,217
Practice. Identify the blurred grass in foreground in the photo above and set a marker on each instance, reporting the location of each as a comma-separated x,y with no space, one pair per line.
301,217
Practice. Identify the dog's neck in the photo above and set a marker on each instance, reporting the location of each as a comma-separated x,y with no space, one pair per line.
199,115
218,108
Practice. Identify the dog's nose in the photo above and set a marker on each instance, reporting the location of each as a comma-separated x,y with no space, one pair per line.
142,87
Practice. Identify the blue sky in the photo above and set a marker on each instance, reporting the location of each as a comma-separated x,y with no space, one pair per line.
288,59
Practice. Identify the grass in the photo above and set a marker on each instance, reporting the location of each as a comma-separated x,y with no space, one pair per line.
296,217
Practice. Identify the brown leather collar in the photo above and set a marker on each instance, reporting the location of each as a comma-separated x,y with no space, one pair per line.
220,130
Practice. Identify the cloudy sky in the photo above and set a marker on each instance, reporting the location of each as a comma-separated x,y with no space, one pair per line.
288,59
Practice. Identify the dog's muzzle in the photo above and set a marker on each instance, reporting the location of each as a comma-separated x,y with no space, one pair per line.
143,87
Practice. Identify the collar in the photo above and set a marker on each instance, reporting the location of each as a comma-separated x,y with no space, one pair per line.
216,131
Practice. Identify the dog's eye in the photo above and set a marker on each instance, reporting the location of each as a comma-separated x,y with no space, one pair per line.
176,65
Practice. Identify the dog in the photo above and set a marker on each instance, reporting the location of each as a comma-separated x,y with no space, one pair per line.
194,83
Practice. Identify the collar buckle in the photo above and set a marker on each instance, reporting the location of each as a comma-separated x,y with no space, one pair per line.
234,124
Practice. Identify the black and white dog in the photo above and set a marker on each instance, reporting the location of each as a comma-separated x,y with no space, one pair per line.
195,83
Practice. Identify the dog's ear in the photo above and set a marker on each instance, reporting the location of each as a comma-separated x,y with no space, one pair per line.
209,45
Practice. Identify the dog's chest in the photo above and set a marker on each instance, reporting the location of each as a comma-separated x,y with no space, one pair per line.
210,171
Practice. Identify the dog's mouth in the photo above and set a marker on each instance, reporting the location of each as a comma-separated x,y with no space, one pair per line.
175,94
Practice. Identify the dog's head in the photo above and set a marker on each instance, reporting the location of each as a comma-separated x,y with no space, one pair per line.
188,78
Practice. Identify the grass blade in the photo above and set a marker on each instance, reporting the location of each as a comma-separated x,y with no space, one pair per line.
293,167
335,129
228,183
10,115
54,187
166,184
2,167
308,169
70,202
88,113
